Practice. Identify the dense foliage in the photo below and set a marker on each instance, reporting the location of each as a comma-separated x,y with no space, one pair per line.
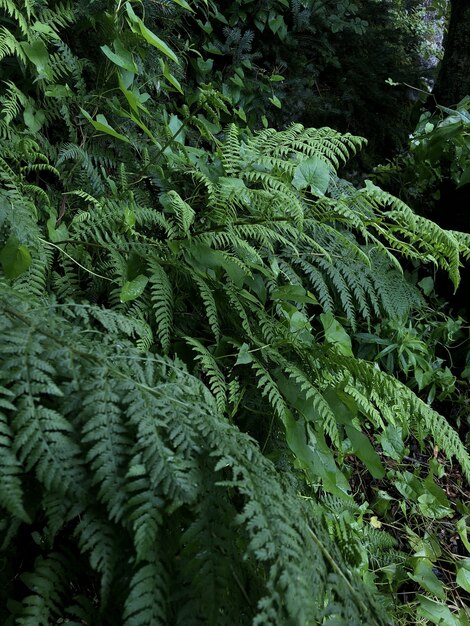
221,361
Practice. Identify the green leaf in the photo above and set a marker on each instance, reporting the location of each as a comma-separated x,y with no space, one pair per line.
436,612
101,124
58,91
461,527
134,98
244,356
427,285
122,59
364,451
313,173
15,258
295,293
241,114
276,102
33,119
150,37
275,21
175,125
335,334
132,289
463,574
158,43
131,14
38,55
424,576
391,441
184,4
170,78
464,178
314,457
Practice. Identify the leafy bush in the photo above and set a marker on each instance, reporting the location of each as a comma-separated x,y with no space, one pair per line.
189,433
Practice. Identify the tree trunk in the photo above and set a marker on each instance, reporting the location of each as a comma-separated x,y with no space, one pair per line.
453,81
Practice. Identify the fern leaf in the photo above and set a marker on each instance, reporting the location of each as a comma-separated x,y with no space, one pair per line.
162,301
211,369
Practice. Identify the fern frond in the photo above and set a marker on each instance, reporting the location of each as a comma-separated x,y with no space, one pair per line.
210,368
146,602
162,302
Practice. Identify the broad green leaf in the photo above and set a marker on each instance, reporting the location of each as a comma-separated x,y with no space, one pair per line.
58,91
184,4
123,59
391,441
241,114
38,55
158,43
430,506
313,173
464,178
427,285
56,233
15,258
436,612
276,102
40,27
176,125
315,458
101,124
275,21
335,334
294,293
132,289
132,98
463,574
131,14
461,527
204,66
424,576
244,356
364,451
33,119
139,28
170,78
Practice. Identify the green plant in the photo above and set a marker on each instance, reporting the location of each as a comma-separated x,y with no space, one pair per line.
180,302
438,152
139,482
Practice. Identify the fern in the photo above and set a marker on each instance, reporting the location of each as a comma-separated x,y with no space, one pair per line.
153,452
162,301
